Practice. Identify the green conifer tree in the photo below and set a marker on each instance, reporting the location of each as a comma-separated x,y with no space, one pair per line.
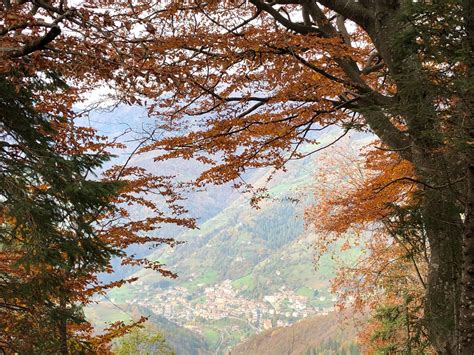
48,242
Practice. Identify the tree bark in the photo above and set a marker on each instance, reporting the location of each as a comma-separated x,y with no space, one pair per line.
444,232
466,321
63,329
466,324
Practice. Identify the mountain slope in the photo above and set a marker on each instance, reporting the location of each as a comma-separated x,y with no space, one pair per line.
183,341
244,270
327,334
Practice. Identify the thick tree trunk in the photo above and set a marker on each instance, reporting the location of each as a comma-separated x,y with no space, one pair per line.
466,324
444,232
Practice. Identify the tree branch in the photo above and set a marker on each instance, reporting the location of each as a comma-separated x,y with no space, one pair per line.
293,26
386,131
350,10
33,46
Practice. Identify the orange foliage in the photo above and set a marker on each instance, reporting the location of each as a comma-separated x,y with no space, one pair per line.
359,191
239,85
254,89
115,227
357,199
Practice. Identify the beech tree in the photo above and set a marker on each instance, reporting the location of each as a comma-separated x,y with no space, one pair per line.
368,201
245,85
291,67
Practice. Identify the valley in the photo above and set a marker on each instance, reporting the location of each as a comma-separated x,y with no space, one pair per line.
244,270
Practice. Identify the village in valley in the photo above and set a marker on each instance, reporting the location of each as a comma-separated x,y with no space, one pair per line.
220,301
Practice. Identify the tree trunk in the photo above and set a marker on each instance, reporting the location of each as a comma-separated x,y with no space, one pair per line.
444,232
63,329
466,324
466,321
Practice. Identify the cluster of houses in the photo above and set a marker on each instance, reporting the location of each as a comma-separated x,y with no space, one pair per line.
223,301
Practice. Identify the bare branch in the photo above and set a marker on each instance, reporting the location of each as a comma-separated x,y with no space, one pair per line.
341,26
293,26
33,46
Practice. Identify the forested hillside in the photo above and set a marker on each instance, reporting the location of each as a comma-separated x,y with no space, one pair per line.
329,334
183,341
258,262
